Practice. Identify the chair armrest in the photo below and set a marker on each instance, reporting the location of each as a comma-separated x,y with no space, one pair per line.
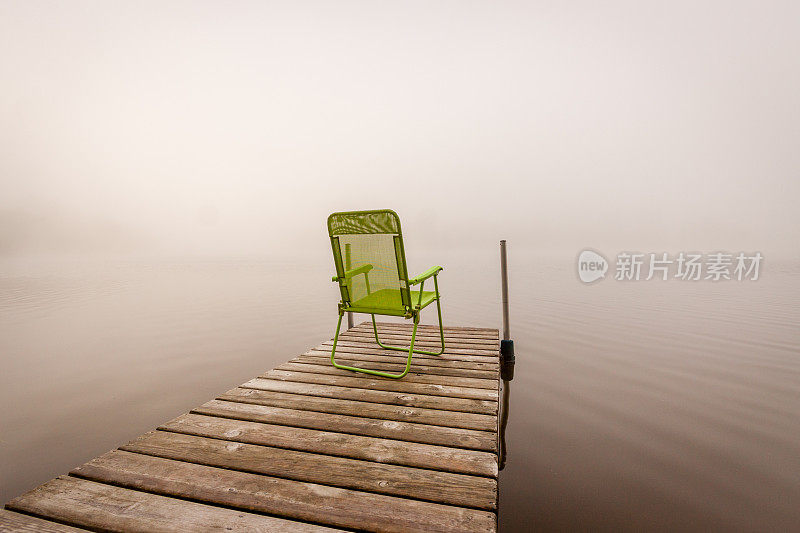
363,269
425,275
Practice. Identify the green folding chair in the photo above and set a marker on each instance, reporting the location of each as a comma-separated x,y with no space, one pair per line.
371,270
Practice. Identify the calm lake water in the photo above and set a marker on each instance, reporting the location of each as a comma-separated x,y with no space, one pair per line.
658,405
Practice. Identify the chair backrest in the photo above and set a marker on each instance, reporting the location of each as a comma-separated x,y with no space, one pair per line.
374,238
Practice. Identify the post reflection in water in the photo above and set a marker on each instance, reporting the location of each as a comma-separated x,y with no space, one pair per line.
507,375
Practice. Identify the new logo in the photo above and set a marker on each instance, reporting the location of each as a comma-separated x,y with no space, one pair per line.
591,266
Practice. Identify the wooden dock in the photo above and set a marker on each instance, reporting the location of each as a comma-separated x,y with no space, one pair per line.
306,447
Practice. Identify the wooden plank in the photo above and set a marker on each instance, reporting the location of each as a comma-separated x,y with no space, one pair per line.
462,361
389,451
441,487
108,508
411,377
423,344
399,338
287,498
381,411
388,356
416,368
466,405
385,384
365,355
478,356
426,330
10,521
399,335
354,425
433,327
432,335
465,354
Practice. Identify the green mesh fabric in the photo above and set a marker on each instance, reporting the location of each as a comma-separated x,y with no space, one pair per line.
380,287
364,222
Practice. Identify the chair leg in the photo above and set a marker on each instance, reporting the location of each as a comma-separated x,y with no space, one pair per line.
336,339
367,370
416,319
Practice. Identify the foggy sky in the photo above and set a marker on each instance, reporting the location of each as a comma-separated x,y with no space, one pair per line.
234,128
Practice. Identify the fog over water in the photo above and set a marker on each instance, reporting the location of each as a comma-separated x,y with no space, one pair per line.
233,128
166,170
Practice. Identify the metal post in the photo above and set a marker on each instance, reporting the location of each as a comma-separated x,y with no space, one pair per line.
506,358
506,345
348,267
504,277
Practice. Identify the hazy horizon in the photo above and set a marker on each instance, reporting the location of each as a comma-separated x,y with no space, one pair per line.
203,129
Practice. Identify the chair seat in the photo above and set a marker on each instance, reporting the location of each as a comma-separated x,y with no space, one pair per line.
389,300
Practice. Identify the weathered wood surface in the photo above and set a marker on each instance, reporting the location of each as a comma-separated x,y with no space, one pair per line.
401,431
108,508
411,377
307,447
382,411
10,521
451,353
277,496
466,405
374,354
332,443
382,363
444,487
373,383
